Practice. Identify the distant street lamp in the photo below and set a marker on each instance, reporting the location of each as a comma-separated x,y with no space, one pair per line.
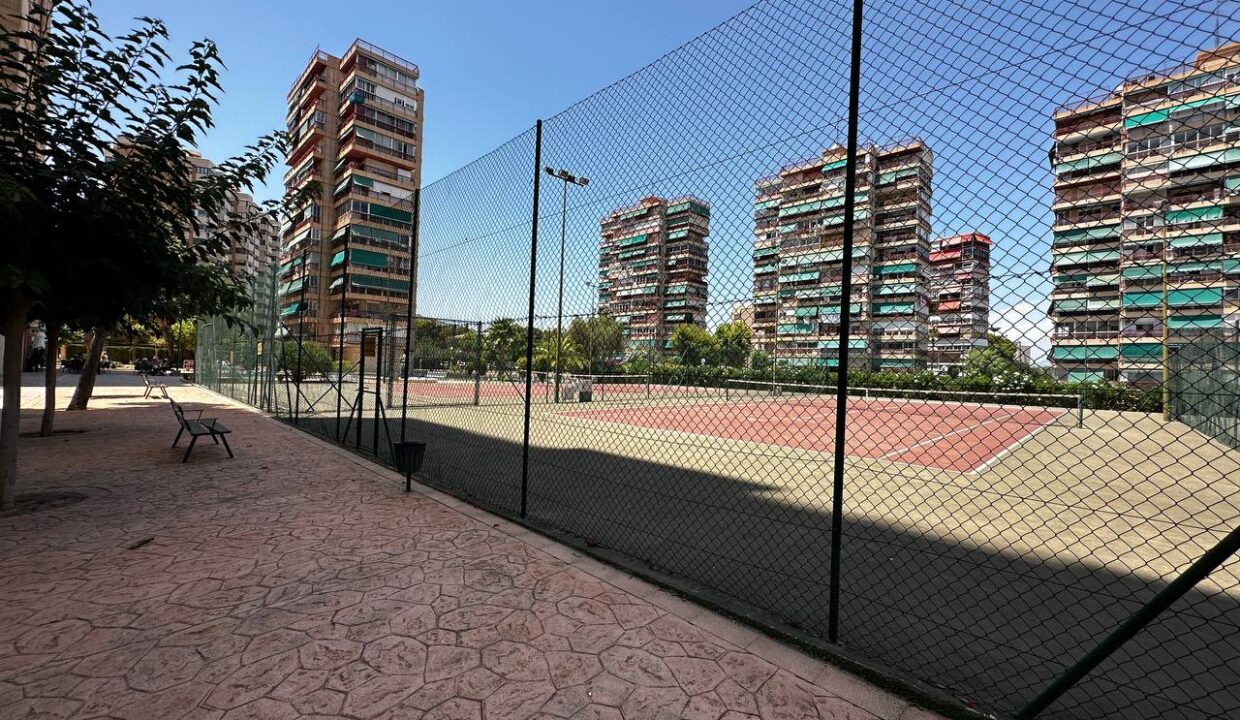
567,178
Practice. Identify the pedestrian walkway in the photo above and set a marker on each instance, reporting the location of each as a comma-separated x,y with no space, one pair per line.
299,581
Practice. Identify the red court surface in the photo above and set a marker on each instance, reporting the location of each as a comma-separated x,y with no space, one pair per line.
947,436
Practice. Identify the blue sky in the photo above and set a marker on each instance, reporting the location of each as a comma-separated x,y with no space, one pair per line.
978,80
489,69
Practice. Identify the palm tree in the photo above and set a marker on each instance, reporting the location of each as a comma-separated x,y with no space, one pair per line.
571,357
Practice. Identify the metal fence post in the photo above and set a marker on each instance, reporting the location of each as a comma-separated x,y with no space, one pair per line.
1195,573
841,395
478,365
301,332
344,296
529,327
409,309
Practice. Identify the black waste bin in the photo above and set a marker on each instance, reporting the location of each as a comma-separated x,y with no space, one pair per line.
409,457
585,396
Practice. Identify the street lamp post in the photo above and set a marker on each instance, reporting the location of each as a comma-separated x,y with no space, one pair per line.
567,178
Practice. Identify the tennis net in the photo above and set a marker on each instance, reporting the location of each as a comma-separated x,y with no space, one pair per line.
902,400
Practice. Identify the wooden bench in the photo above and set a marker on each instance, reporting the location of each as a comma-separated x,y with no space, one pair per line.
197,428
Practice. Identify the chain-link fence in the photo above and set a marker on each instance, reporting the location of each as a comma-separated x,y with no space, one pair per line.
952,394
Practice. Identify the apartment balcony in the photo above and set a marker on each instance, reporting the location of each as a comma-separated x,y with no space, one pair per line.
356,148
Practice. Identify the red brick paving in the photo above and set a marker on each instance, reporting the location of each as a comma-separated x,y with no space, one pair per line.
298,582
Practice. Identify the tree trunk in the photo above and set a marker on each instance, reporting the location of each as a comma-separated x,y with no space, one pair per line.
90,371
49,379
13,325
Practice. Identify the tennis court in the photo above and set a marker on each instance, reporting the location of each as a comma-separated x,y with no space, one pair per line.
933,430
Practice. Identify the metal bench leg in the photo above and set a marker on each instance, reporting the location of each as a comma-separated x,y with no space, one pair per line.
215,439
193,439
226,447
179,431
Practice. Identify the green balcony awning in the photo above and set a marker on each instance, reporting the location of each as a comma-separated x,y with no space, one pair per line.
632,253
633,240
384,211
799,277
1141,351
1086,258
1085,376
675,303
765,252
336,283
1102,304
812,258
1068,305
1232,183
291,286
795,328
1102,280
1196,296
1072,237
760,269
1185,241
1194,322
899,269
1205,159
378,234
677,234
1085,352
892,175
1157,116
834,165
341,232
379,283
892,308
368,258
676,289
1179,217
337,259
764,204
895,289
290,309
1142,272
1088,163
363,181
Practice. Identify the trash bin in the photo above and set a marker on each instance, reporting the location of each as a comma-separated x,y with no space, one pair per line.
585,391
409,457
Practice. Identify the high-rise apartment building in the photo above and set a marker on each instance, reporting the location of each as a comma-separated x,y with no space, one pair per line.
356,127
251,253
959,296
652,269
1146,248
798,259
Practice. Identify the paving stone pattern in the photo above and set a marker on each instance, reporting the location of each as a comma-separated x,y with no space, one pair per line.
298,581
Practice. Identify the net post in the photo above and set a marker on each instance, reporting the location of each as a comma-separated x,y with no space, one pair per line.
529,328
1080,408
850,208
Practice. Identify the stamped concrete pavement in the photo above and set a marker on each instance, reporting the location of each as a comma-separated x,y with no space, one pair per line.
297,581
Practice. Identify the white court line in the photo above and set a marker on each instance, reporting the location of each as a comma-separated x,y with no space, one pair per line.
944,436
1012,448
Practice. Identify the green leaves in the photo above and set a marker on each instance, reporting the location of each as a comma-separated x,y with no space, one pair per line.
105,217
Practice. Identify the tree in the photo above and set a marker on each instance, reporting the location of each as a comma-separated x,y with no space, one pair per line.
97,194
692,344
599,336
734,340
504,345
571,357
998,358
760,359
313,359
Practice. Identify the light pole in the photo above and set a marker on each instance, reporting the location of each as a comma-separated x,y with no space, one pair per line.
567,178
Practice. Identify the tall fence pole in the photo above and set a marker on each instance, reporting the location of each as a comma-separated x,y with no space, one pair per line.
344,296
478,365
529,327
409,309
301,330
841,394
1195,573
